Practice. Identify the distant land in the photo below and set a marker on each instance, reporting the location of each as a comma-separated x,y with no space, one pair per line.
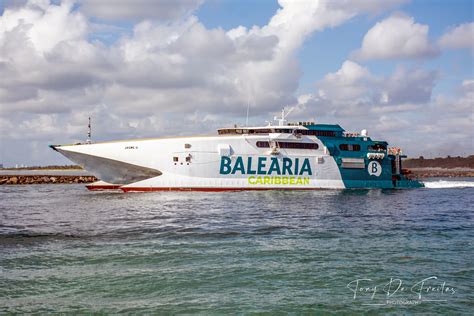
445,163
440,167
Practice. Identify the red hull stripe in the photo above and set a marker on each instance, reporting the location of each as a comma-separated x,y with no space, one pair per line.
150,189
102,187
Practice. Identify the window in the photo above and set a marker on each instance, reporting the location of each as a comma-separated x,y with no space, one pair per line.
283,130
263,131
377,147
349,147
289,145
224,131
175,159
243,131
317,133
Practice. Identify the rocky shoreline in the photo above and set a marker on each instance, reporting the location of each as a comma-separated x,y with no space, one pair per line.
44,179
421,173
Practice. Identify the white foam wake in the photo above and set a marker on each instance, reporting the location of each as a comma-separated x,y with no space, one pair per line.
443,184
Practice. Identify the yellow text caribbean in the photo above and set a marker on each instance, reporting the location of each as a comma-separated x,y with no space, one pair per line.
278,180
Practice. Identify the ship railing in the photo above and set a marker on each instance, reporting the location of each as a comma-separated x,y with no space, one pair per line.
395,151
350,134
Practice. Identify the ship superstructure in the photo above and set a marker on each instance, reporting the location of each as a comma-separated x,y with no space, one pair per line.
295,156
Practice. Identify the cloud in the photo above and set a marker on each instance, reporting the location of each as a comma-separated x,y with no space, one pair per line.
407,86
368,6
155,79
396,37
459,37
463,103
162,10
41,25
351,82
447,124
354,86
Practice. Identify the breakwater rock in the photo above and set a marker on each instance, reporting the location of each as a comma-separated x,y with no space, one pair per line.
44,179
441,172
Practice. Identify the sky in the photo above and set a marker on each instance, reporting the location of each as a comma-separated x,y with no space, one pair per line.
402,69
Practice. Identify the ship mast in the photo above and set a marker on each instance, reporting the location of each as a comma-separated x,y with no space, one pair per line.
89,132
282,120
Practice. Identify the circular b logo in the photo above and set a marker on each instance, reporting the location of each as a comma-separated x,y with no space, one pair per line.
374,168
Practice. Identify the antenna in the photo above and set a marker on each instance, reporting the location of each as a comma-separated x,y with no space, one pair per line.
248,109
282,120
89,132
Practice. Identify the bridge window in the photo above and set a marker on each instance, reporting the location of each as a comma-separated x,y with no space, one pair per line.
226,131
317,133
283,130
289,145
239,131
349,147
263,131
377,147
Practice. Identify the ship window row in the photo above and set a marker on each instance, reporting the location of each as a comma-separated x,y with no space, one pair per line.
277,130
317,133
289,145
243,131
377,147
349,147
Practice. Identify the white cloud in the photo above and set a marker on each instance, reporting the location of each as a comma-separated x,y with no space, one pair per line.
463,103
406,86
369,6
42,25
353,86
164,10
351,82
396,37
459,37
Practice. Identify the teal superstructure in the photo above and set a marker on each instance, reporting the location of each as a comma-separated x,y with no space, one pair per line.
354,154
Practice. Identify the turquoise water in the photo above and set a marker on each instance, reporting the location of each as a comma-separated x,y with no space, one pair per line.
64,249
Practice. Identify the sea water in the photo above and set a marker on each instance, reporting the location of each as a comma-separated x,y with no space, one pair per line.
65,249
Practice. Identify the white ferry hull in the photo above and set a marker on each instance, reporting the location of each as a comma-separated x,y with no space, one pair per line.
284,157
166,164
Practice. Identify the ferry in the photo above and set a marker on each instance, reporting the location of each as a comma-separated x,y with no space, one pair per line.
279,156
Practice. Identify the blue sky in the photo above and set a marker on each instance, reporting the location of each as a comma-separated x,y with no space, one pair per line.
403,69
